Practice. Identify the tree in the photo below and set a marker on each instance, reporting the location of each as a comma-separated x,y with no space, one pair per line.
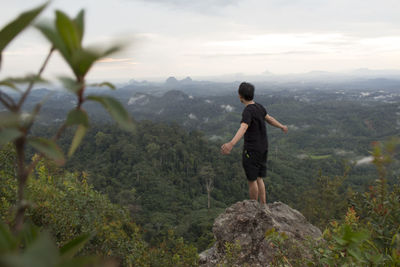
65,35
207,174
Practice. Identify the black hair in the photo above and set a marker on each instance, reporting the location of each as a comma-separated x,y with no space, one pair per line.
246,90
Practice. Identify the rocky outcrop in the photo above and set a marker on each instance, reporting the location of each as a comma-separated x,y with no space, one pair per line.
246,223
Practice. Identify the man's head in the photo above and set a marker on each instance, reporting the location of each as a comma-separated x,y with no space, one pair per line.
246,91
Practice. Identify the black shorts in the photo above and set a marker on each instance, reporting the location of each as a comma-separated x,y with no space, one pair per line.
254,164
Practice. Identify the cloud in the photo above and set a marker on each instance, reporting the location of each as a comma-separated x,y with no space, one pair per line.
365,160
215,37
192,116
185,3
116,60
201,6
227,108
260,54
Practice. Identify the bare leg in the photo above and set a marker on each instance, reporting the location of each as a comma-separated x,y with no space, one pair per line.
253,189
261,190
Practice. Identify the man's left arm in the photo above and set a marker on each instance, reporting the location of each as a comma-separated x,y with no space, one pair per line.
272,121
227,147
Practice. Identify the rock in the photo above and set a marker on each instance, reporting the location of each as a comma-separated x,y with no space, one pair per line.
245,224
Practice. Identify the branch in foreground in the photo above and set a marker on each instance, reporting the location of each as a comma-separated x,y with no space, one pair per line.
7,101
30,86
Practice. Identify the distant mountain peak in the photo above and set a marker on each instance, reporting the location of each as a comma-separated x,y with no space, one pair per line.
187,80
171,81
175,94
267,72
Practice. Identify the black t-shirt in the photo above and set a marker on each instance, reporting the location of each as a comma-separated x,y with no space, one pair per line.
255,138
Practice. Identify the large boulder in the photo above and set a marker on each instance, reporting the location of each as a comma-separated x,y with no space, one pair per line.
245,224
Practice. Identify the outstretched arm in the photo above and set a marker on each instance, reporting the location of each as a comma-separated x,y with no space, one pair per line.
227,147
272,121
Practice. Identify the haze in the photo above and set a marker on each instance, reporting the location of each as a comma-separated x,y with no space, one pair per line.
210,38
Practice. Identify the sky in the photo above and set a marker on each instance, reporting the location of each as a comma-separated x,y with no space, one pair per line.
209,38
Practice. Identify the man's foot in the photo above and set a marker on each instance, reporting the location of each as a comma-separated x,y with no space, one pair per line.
265,207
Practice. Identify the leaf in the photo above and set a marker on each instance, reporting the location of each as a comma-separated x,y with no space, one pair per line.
68,31
80,24
8,135
356,254
26,79
395,239
66,36
73,246
71,84
55,39
7,241
359,237
9,120
340,241
79,134
41,253
9,85
49,148
108,84
270,232
11,30
116,110
81,261
83,59
375,258
29,234
112,50
77,116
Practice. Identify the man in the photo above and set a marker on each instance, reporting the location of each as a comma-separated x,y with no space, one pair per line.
255,148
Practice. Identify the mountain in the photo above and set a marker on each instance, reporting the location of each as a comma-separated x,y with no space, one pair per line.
171,81
187,80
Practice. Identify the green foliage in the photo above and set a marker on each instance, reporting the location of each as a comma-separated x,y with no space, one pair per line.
277,240
70,228
30,78
48,148
116,110
77,117
78,137
231,256
324,201
107,84
369,234
8,135
347,244
8,189
172,251
66,35
33,248
68,207
9,121
84,221
162,164
285,251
